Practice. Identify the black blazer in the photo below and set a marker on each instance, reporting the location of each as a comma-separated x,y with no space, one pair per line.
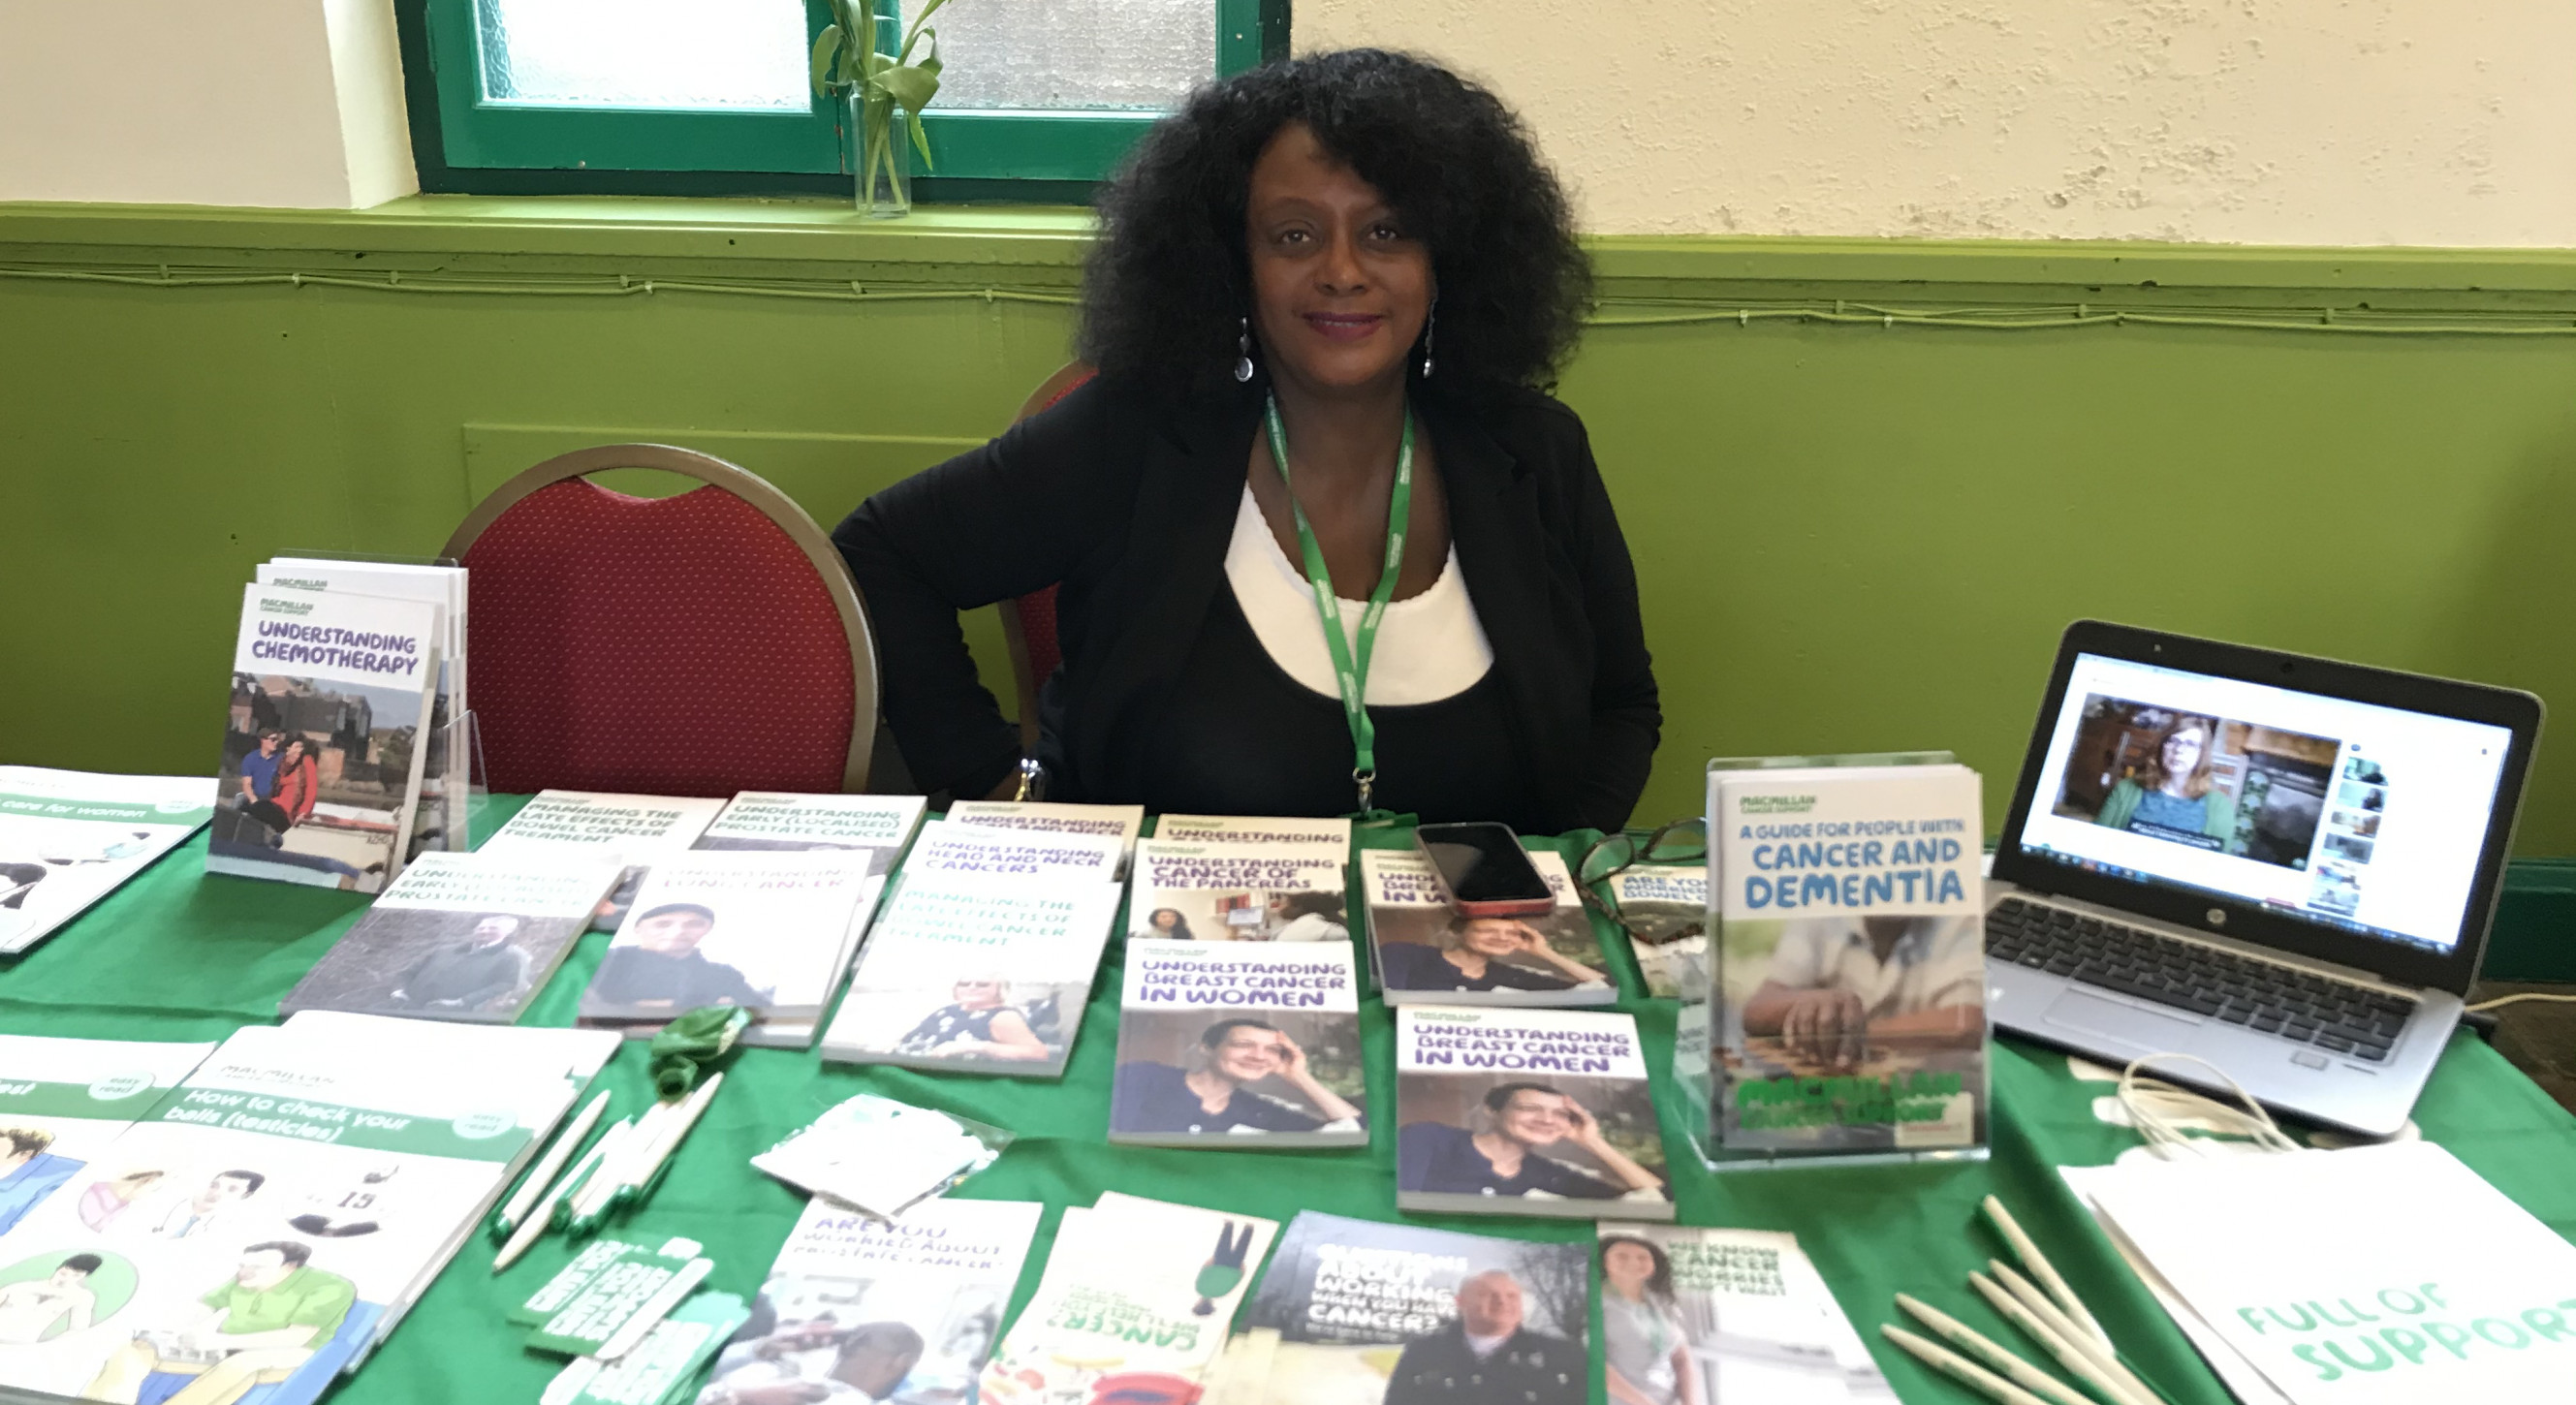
1128,501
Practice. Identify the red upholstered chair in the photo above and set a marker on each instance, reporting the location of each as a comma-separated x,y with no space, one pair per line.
1028,622
698,644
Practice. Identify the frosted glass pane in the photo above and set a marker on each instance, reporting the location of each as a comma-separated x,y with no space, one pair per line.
1073,53
645,53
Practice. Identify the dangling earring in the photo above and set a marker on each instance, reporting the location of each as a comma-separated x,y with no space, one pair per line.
1243,353
1430,324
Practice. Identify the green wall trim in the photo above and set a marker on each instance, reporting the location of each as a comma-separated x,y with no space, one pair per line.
1038,246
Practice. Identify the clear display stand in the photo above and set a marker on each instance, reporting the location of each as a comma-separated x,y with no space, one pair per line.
1910,1083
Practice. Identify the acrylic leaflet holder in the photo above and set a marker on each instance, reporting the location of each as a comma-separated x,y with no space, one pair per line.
1839,1016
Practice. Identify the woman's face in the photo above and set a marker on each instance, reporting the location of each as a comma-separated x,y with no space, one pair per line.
1339,288
1165,919
1533,1118
977,994
1628,1266
2182,750
294,751
1491,936
1248,1055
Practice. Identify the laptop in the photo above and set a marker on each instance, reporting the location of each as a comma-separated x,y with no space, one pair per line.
2282,865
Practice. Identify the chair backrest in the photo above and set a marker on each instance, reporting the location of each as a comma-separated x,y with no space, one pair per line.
1028,622
698,644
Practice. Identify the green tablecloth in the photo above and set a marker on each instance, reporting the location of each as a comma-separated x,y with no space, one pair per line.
179,955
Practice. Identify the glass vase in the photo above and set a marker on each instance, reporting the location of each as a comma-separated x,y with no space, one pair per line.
877,146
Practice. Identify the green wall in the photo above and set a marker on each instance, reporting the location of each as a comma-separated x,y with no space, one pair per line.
1853,531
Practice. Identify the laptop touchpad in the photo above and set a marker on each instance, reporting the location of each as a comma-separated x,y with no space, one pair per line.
2148,1031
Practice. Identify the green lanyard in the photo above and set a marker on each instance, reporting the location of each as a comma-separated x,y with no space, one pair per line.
1351,656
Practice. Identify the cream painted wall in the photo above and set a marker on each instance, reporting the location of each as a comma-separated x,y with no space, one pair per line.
290,103
2335,122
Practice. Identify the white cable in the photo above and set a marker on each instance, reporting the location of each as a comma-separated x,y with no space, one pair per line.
2503,1000
2159,1110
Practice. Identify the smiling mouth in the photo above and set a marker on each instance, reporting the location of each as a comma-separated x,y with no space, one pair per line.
1344,326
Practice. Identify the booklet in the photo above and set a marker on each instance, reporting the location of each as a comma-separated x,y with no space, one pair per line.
1429,953
1135,1304
1189,891
62,1102
1331,835
1851,960
856,1305
632,829
946,846
69,838
1365,1312
1724,1314
2379,1275
301,1192
980,975
1525,1112
459,937
1666,909
770,819
443,779
767,931
1119,822
320,773
1238,1044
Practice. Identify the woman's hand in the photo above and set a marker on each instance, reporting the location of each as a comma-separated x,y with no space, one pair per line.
1292,1066
1531,943
1586,1134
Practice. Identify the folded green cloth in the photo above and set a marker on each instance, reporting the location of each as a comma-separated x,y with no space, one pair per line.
688,1044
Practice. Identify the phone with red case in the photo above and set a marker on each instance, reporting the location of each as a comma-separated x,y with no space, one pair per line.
1483,871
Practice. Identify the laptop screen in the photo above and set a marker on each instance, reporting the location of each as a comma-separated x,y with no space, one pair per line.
2351,816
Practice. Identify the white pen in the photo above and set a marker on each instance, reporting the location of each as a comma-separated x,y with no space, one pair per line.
1959,1368
530,1189
2042,1271
2101,1355
1976,1343
2069,1356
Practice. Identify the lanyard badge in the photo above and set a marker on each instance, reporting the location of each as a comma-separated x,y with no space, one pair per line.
1351,653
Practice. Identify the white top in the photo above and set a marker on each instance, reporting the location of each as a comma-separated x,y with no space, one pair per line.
1939,962
1428,648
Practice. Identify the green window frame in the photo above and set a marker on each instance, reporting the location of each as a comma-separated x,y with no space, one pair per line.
464,144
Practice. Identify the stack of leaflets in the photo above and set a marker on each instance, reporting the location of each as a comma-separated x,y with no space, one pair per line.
950,847
1119,822
270,1218
1135,1305
62,1102
1238,1044
1352,1312
771,932
440,823
1665,907
856,1306
1849,973
881,1157
1525,1112
68,838
770,819
1229,892
634,830
1427,953
460,937
977,974
327,737
1724,1314
1331,835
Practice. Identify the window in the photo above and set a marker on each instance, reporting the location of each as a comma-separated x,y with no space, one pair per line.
1038,98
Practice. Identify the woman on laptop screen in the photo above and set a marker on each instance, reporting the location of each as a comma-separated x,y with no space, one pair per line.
2172,791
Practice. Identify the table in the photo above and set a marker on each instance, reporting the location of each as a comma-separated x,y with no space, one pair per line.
179,955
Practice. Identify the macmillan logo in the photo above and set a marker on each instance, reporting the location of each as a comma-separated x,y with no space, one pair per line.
270,604
1778,804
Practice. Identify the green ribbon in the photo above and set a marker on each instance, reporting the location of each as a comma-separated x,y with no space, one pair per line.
1351,653
688,1044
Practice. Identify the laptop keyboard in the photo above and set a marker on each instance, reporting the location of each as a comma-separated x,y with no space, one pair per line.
2282,1001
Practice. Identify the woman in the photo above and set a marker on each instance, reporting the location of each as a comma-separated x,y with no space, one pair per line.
977,1025
1646,1357
1168,924
1307,917
298,783
1215,1093
2172,791
1472,956
1368,246
1522,1120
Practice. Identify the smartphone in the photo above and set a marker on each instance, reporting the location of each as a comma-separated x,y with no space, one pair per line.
1483,871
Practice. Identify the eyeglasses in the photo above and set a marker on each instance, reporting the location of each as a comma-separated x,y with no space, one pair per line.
1678,841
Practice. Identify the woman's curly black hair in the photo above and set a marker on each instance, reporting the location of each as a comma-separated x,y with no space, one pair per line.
1170,281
